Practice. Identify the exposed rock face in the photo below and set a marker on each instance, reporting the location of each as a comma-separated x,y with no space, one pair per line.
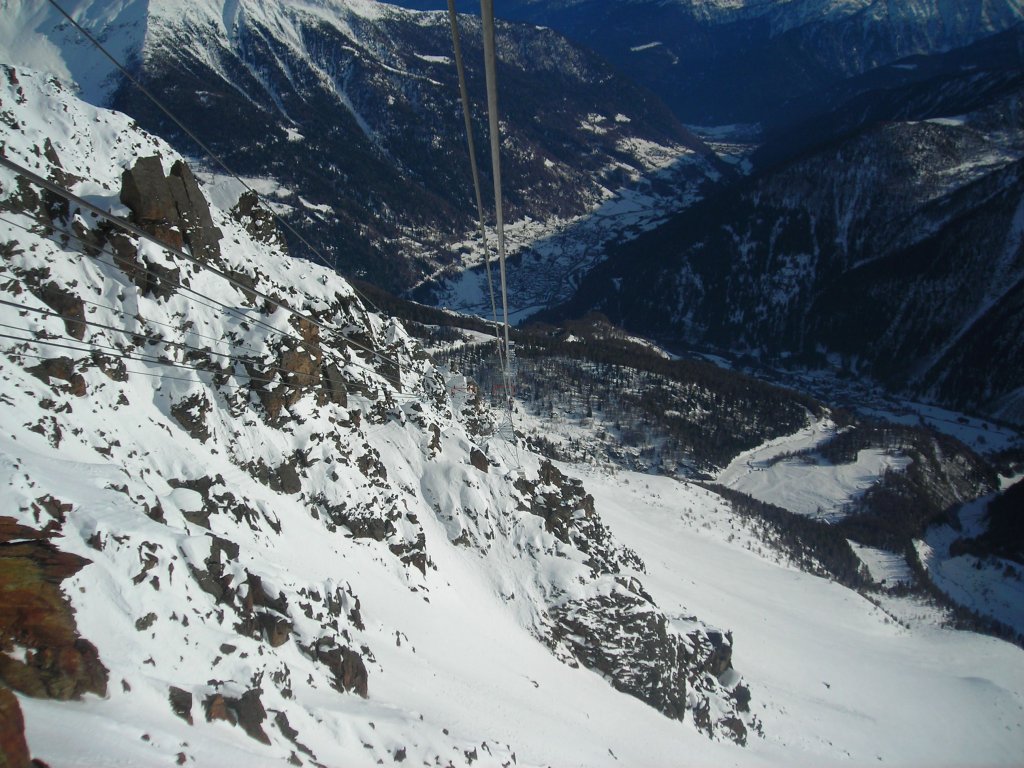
569,514
144,189
627,639
616,628
257,220
478,459
63,369
181,703
349,670
298,371
44,656
67,305
201,236
191,414
245,710
13,748
171,208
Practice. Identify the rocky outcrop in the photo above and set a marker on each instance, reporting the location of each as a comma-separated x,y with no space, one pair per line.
191,413
628,640
569,515
297,372
258,221
623,635
246,711
181,703
13,747
346,666
69,306
62,369
170,208
43,654
201,236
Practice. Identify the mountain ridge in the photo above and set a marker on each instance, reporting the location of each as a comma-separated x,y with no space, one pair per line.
337,109
718,63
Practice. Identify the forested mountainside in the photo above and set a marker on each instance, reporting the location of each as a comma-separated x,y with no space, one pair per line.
716,62
898,252
346,114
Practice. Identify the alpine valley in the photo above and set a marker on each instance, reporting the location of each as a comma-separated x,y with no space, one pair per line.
256,513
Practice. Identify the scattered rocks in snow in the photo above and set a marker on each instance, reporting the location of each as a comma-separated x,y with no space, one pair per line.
333,440
191,413
258,221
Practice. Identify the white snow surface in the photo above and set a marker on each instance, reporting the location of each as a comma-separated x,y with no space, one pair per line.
804,484
885,567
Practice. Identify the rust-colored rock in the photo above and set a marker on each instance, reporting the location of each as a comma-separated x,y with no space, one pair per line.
36,620
217,708
276,629
13,747
170,208
246,711
66,304
349,671
144,189
300,370
62,368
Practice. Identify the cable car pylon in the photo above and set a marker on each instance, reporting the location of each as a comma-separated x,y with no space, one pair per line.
506,354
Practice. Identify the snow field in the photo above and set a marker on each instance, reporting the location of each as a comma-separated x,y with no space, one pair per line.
833,678
817,490
991,586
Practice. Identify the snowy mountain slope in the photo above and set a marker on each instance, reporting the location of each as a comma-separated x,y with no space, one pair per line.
849,503
37,36
847,682
352,109
982,582
292,547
